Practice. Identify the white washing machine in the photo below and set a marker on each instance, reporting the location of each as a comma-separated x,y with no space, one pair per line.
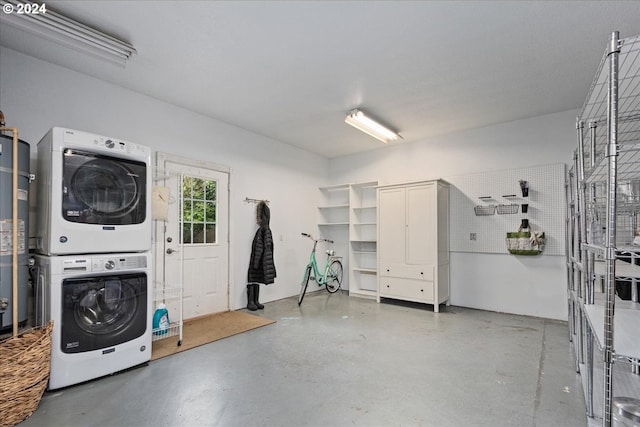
94,194
100,307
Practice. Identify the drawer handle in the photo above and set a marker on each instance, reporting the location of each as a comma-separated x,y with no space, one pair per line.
387,270
422,273
421,290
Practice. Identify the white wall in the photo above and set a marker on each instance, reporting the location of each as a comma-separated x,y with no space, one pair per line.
503,283
36,95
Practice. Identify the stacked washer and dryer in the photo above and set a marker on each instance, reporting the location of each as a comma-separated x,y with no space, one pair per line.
93,267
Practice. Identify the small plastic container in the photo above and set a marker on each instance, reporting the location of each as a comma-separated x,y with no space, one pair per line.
625,412
160,320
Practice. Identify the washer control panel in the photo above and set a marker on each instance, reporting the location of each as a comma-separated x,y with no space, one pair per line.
115,263
79,139
100,263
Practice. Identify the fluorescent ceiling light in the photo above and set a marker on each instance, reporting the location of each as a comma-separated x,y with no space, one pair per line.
359,120
64,31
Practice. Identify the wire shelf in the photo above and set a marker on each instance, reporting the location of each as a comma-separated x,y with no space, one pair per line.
484,210
607,161
508,209
594,116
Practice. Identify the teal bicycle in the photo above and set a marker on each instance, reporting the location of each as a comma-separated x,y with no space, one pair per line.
331,277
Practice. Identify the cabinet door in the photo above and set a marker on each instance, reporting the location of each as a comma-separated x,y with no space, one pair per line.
421,224
392,226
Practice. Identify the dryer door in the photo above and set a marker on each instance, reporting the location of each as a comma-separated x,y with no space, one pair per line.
100,189
103,311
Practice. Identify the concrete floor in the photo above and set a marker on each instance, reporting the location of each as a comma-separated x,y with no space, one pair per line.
341,361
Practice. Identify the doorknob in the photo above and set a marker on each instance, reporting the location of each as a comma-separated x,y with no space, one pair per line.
170,251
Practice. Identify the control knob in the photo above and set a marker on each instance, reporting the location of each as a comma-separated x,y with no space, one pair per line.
109,265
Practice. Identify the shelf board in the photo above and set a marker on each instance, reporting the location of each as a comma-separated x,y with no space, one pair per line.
172,331
623,269
365,270
634,249
627,170
365,252
326,224
333,207
370,184
364,223
363,241
364,207
625,329
334,187
596,249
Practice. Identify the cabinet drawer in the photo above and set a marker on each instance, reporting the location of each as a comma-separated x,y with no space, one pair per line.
417,272
409,289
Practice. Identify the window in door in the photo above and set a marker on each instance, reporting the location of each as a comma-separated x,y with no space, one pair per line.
199,206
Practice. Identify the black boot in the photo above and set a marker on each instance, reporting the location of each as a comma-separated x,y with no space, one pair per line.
251,298
256,295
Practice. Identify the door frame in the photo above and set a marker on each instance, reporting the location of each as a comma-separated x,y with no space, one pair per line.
160,175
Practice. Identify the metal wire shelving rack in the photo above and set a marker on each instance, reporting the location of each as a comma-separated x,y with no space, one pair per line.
602,224
170,294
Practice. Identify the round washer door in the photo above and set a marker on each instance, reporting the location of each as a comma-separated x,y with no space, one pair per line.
103,311
106,187
101,189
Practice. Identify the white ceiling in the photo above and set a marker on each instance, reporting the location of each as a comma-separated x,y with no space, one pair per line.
291,70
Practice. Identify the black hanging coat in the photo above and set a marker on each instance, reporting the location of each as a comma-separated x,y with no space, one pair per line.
261,266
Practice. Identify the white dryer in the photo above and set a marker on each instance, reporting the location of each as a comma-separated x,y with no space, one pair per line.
99,305
94,194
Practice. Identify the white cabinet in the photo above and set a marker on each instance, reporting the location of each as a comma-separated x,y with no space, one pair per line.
413,242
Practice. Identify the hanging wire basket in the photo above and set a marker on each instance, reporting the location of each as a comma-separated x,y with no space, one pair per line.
508,209
484,210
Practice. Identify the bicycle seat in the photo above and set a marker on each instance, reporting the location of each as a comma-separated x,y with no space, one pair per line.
330,252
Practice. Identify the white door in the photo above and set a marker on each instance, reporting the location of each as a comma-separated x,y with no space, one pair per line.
193,246
421,224
392,225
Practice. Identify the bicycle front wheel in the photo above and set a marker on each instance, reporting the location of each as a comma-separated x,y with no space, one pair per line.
304,284
334,276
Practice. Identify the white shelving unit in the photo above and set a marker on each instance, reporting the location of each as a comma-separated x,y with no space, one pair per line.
347,214
333,224
334,207
603,195
362,239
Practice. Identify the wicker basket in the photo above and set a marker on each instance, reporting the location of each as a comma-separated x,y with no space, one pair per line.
24,372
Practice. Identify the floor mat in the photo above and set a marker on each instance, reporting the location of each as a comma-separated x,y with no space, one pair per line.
204,330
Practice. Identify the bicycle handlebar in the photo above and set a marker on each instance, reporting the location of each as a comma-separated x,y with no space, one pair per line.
316,240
